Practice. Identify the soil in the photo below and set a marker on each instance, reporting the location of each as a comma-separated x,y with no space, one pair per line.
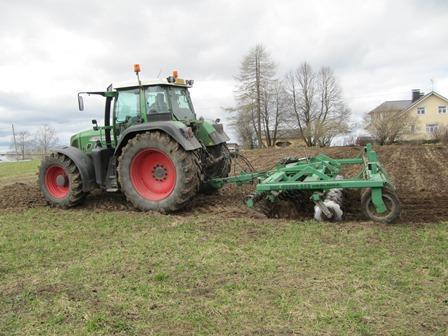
419,172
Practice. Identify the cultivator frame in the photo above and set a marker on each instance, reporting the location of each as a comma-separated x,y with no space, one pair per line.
318,175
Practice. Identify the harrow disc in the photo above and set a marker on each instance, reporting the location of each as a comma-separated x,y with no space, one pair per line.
289,204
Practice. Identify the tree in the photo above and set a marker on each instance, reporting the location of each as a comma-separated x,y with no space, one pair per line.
45,138
316,104
241,121
254,79
24,143
388,125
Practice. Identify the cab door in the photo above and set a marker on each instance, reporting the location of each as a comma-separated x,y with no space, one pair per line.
127,109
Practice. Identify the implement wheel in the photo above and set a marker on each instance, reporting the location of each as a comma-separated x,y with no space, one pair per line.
155,173
60,181
391,202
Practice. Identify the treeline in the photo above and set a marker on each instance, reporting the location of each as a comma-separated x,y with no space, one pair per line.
306,101
25,143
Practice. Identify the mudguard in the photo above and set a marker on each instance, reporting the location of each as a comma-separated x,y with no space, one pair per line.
172,128
84,164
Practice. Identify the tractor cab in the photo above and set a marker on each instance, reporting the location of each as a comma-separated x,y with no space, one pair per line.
159,100
139,102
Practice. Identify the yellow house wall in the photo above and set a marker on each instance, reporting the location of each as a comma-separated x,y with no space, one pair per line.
431,116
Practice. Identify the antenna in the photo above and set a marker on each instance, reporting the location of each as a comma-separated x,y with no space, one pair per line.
158,75
432,84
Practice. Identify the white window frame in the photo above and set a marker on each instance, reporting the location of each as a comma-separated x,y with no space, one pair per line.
421,110
431,128
442,109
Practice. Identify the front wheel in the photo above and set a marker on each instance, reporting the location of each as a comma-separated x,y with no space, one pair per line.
60,181
155,173
391,202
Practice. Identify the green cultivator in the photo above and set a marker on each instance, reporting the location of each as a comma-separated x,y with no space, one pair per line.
293,178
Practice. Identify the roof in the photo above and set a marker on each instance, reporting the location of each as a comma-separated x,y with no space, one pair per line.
421,99
158,81
392,105
400,105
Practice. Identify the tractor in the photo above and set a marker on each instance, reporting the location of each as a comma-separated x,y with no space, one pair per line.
152,148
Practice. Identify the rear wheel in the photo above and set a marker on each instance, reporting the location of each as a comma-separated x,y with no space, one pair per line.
155,173
220,168
60,181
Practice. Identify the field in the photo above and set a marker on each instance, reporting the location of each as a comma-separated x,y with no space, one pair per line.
219,268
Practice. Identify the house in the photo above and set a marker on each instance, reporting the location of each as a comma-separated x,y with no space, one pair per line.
428,113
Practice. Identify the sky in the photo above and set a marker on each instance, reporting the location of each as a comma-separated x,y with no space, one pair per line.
50,50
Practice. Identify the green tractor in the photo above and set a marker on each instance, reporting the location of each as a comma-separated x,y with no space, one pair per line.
152,148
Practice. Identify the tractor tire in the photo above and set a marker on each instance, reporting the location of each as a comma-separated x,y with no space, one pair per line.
60,181
156,173
391,201
219,169
222,167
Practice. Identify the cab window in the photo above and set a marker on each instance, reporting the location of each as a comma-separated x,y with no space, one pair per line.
181,103
127,105
157,100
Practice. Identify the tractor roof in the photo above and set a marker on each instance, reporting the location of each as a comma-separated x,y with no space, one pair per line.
160,81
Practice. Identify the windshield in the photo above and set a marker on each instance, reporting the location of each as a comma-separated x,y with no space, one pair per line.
181,103
166,99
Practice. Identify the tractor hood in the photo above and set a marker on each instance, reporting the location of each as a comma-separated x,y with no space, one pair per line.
86,140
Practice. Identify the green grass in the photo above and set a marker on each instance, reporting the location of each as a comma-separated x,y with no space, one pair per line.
81,272
24,171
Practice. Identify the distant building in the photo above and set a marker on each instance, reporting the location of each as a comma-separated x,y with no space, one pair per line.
429,111
3,158
287,137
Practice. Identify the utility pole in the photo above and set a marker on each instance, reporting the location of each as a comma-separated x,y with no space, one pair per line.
15,142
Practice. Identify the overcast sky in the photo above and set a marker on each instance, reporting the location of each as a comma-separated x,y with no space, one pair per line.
50,50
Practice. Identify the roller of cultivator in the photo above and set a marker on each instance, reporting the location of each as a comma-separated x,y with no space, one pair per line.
318,179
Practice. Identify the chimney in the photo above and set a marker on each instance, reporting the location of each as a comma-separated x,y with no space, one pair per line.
416,94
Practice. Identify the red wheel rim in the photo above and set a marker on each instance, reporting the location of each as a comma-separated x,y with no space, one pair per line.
153,174
57,182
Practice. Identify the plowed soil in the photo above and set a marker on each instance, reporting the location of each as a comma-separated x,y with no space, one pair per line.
420,174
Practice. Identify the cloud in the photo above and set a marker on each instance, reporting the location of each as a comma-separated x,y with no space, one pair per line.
378,49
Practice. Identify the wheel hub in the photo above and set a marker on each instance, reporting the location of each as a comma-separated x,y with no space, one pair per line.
159,172
61,180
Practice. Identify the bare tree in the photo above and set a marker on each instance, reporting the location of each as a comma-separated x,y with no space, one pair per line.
440,134
317,105
45,138
388,125
255,75
24,143
242,122
275,111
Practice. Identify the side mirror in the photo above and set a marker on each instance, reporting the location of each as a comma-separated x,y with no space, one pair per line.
80,103
95,124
